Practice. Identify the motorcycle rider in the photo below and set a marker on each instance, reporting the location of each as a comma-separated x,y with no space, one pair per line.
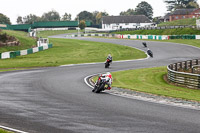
149,52
110,58
108,78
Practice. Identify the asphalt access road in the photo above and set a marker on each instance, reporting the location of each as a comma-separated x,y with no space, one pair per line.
58,100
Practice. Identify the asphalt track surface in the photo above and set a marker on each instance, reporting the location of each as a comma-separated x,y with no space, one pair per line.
57,100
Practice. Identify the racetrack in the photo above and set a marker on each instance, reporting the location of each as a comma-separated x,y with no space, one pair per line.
58,100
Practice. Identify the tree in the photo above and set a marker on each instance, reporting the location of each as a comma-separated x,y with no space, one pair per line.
128,12
51,16
82,24
176,4
66,17
19,20
30,19
4,19
85,15
94,17
193,5
98,16
144,8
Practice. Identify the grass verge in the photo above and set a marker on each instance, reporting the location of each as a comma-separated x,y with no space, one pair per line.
4,131
25,41
189,21
151,80
66,51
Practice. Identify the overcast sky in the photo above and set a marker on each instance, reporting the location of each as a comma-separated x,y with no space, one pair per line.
15,8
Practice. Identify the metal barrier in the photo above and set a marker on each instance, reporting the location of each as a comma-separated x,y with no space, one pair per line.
187,79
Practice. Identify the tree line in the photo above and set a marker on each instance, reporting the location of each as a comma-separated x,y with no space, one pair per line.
143,8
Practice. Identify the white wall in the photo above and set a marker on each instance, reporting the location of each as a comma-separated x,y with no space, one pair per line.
123,25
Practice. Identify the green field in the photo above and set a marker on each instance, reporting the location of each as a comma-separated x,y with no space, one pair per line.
45,34
66,51
189,21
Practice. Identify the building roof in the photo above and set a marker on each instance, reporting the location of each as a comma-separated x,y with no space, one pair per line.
167,16
125,19
183,11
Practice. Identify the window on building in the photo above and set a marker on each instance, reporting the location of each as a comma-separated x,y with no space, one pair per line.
183,17
176,17
117,23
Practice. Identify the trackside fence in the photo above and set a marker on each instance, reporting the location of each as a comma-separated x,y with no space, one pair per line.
177,74
128,36
13,54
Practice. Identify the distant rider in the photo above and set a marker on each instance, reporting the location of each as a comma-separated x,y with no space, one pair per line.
149,52
110,58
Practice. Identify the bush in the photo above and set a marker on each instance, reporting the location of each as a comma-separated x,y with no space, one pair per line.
3,37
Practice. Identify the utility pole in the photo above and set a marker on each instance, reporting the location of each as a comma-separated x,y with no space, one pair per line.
78,25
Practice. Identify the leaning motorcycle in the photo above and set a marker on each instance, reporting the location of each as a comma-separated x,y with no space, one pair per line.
150,53
107,64
100,85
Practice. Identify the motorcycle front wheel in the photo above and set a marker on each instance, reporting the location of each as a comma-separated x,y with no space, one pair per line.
100,88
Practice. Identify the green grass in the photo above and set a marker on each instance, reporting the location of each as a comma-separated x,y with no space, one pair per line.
190,21
25,41
151,80
45,34
66,51
179,31
4,131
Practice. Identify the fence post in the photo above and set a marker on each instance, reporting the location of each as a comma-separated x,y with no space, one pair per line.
190,63
176,65
199,83
186,65
181,65
172,66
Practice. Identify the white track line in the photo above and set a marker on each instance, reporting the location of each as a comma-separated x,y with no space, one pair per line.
12,129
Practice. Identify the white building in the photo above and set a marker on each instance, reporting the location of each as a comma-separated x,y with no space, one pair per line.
124,22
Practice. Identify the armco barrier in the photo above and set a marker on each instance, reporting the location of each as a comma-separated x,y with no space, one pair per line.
189,80
156,37
13,54
152,37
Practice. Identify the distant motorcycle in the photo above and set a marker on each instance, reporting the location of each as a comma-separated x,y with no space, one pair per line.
150,53
107,63
100,84
144,44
